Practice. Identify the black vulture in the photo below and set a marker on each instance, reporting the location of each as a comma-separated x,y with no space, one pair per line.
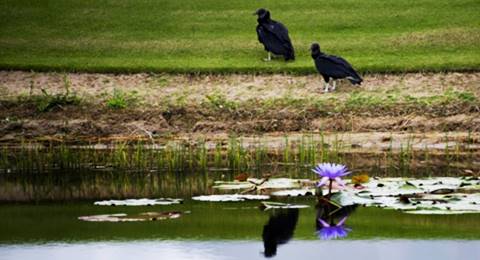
274,36
333,67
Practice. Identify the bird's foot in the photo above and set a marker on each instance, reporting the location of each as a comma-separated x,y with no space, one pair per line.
269,57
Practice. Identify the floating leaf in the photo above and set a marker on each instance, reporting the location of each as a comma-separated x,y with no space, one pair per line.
138,202
442,191
230,197
119,217
442,195
440,212
272,183
277,205
233,185
122,217
294,192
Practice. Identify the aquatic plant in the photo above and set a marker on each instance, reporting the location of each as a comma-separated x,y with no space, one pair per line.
121,100
331,172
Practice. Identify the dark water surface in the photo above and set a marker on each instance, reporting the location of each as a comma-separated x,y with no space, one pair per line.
235,230
40,210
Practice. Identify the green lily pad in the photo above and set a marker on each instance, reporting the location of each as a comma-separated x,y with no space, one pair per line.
122,217
266,205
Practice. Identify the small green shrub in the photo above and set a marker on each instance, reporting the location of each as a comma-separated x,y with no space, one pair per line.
121,100
47,102
219,101
466,96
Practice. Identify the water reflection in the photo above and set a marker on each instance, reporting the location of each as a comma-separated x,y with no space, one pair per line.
329,224
330,219
279,229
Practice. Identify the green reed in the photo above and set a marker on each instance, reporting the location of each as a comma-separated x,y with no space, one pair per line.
298,154
260,155
218,155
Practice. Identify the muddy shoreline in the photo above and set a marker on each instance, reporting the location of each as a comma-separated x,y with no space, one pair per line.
178,105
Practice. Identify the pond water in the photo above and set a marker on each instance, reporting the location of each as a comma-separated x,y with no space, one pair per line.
230,230
46,201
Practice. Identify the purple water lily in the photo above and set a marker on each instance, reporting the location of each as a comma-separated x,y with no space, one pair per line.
332,172
328,232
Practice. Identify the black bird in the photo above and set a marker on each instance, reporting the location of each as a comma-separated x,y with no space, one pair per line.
333,67
274,36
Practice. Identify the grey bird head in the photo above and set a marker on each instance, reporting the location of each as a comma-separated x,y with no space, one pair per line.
262,14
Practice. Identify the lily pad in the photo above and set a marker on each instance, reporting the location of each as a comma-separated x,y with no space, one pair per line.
441,195
294,192
119,217
122,217
440,212
138,202
426,196
230,197
272,183
233,185
277,205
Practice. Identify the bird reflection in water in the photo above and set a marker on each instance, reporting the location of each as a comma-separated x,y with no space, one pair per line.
279,229
330,219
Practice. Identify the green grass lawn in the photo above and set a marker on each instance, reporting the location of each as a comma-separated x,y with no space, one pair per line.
219,35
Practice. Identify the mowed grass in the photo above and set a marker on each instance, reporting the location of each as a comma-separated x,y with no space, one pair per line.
219,36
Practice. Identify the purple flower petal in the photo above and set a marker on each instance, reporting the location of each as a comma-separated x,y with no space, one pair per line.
342,221
323,181
323,222
340,181
331,170
327,233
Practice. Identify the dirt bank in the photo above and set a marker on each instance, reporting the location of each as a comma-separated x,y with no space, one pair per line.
166,105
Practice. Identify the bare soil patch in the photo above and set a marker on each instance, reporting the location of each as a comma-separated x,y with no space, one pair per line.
154,88
169,105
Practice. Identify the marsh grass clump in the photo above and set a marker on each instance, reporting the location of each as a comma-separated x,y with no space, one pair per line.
121,100
218,101
46,101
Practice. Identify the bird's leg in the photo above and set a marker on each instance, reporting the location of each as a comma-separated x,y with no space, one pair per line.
334,84
326,87
269,57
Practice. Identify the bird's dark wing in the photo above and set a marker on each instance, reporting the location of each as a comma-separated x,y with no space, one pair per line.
341,61
260,33
335,66
281,32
